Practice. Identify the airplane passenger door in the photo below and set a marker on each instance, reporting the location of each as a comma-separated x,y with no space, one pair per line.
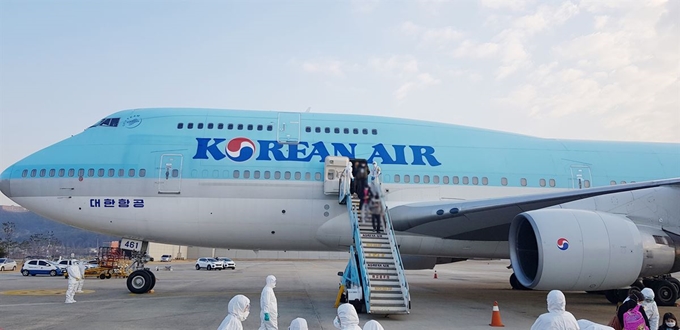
289,128
580,177
170,174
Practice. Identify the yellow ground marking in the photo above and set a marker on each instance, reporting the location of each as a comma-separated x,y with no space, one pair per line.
40,292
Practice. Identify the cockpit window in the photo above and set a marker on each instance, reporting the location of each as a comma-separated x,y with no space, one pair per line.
107,122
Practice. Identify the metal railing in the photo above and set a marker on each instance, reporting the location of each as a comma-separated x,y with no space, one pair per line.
360,252
399,265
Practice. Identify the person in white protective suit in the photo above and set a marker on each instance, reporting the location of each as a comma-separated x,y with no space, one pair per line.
268,307
81,267
238,309
651,309
376,173
347,318
74,277
557,317
373,325
590,325
298,324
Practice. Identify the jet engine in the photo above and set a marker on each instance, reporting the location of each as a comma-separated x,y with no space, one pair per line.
586,250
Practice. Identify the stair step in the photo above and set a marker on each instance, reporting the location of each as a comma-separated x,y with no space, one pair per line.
388,310
375,240
381,266
386,302
382,277
374,236
376,250
385,288
387,294
385,283
392,272
377,255
380,244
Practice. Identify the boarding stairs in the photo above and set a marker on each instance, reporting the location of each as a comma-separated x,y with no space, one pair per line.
375,263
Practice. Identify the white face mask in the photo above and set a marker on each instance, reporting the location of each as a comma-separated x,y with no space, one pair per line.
243,316
670,324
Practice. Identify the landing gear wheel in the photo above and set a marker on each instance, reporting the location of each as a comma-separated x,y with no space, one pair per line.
153,279
665,293
676,284
616,296
53,273
139,281
638,284
358,306
516,285
24,272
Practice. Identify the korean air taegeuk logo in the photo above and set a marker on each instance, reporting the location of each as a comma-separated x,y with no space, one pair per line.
240,149
562,244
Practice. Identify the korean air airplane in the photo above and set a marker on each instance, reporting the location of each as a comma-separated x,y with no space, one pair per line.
571,215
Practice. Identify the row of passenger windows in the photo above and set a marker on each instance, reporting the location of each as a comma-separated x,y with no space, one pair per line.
239,127
287,175
81,172
336,130
247,174
251,127
464,180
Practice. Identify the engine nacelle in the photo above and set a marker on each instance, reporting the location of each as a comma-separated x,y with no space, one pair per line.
585,250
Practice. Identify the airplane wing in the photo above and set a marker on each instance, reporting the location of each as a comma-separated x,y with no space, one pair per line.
489,219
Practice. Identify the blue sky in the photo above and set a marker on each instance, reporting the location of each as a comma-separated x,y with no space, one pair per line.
590,69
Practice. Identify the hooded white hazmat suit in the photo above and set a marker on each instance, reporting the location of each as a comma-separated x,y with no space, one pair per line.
238,309
73,278
347,318
557,318
81,267
373,325
590,325
298,324
268,307
651,309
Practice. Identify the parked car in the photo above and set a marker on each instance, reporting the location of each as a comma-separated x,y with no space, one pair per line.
166,258
64,263
228,263
41,266
209,264
7,264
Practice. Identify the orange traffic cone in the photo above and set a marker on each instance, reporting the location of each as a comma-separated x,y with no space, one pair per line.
496,316
435,275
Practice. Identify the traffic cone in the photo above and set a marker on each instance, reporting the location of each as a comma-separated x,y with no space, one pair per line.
435,275
496,316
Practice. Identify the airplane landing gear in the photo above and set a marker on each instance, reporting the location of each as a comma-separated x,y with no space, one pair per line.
141,281
665,289
516,285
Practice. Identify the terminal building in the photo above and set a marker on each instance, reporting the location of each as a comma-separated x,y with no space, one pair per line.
181,252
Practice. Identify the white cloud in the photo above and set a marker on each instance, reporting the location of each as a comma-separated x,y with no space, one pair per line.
328,67
420,82
514,5
440,37
365,6
395,65
469,48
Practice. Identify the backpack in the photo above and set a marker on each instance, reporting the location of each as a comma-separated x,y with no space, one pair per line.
633,320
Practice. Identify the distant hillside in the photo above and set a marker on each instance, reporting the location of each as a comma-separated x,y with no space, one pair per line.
28,223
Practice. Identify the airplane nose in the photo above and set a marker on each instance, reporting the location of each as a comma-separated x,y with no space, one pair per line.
4,182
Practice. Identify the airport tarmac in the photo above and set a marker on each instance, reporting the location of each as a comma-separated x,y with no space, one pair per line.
461,298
